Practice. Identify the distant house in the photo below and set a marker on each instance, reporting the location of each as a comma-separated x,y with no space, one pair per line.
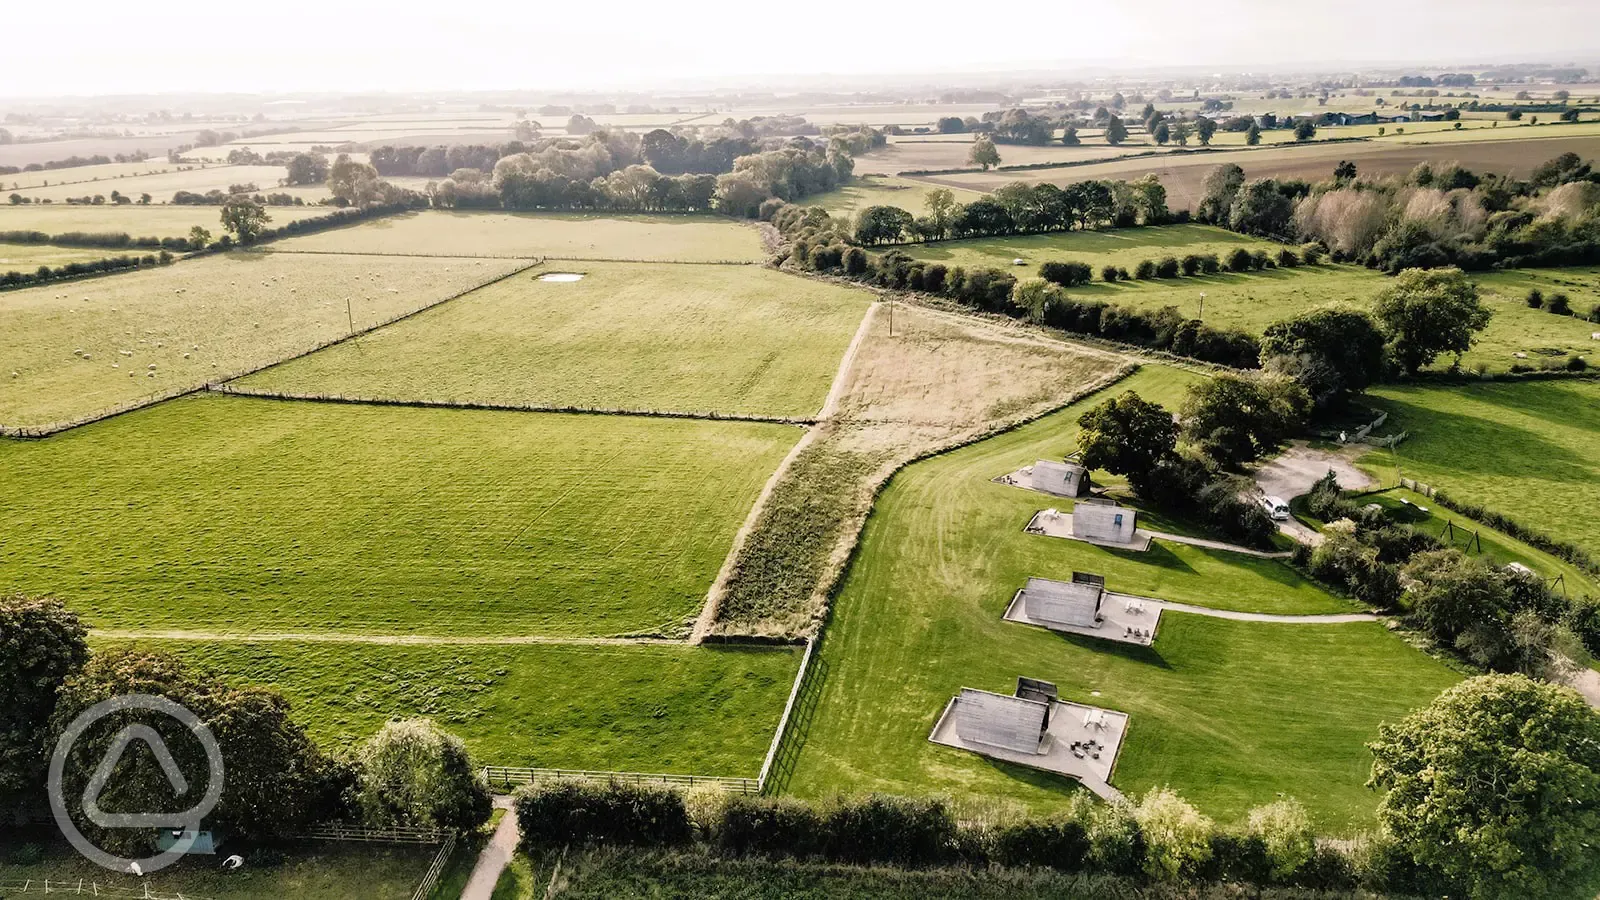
1428,117
1396,117
1103,521
1339,118
1060,478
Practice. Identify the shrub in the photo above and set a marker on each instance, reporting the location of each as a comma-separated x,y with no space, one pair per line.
1191,264
415,775
855,261
1116,844
1122,273
1061,843
1559,304
571,812
1311,254
1145,270
1066,274
773,827
1110,273
1167,267
1535,298
1576,364
1259,260
1284,830
1177,837
1210,264
895,830
1240,260
1287,258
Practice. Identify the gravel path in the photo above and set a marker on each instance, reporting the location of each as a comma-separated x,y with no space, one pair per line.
1294,471
495,856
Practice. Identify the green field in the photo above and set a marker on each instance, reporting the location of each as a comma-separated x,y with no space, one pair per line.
315,872
728,339
660,238
28,257
1124,247
239,515
161,187
196,321
1525,450
1230,714
864,192
139,221
680,709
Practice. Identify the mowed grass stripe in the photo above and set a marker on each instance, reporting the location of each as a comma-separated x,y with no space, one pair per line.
236,515
660,237
683,710
718,339
1230,714
177,327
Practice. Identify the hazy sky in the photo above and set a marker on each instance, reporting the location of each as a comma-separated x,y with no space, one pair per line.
95,46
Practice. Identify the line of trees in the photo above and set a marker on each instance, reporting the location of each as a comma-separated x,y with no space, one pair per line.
46,274
1021,208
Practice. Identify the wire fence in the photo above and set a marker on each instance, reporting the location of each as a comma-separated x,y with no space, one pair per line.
515,775
80,887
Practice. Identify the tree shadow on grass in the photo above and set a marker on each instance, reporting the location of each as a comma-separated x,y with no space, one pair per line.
1469,445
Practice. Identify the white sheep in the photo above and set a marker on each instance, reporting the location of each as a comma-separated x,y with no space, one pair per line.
152,366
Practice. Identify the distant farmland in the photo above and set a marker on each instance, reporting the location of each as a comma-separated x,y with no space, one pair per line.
138,221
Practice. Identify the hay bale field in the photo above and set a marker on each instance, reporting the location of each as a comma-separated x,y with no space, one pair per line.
726,339
1525,450
138,221
1230,714
243,515
663,238
79,347
678,709
162,187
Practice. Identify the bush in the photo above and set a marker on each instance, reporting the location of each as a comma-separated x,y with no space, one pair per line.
1287,258
1311,254
894,830
1535,298
1116,843
1145,270
773,827
1191,264
1177,837
1210,264
1240,260
1259,260
1110,274
1559,304
1284,830
1066,274
415,775
1061,843
571,812
1167,267
855,261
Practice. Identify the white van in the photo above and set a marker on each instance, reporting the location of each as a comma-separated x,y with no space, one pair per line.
1275,506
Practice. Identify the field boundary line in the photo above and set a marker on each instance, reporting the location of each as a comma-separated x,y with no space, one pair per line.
267,249
49,430
293,396
719,586
788,711
313,637
531,775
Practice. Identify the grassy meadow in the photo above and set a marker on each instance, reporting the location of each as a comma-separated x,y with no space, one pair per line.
879,191
1124,247
658,238
28,257
1526,450
242,515
139,221
161,187
728,339
1230,714
197,321
108,172
685,710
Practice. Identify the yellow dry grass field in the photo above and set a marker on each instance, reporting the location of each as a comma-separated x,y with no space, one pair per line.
84,174
138,221
656,238
161,187
76,348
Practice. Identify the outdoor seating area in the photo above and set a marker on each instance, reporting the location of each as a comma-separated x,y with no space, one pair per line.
1118,531
1083,606
1035,728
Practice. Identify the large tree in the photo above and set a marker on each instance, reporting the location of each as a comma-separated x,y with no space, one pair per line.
1261,208
1426,312
1204,128
1126,435
307,168
41,644
246,218
274,779
983,153
1332,351
413,774
1220,187
1235,419
1495,786
1116,132
882,224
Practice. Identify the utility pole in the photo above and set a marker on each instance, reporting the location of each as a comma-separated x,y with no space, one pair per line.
1202,315
891,318
351,317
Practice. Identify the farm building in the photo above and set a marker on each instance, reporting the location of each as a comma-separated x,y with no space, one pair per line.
995,720
1103,521
1054,603
1060,478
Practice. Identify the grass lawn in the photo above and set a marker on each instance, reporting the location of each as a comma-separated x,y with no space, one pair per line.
196,321
686,710
730,339
1124,247
1231,714
1526,450
241,515
28,257
661,238
883,191
320,871
161,187
139,221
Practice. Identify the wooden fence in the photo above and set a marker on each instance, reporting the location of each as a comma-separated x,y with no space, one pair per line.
522,775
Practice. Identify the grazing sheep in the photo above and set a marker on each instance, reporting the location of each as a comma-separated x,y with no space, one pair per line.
152,366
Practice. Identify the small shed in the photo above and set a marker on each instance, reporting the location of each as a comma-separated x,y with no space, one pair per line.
1103,521
1060,478
1014,723
1063,603
199,842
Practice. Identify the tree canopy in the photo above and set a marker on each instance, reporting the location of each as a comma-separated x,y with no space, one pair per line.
1126,434
41,643
414,774
1332,351
983,153
1427,312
